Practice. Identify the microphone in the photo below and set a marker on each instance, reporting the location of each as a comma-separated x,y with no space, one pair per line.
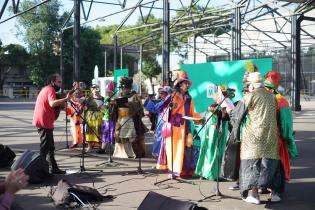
231,89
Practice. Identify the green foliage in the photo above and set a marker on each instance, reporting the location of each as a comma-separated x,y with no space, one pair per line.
13,55
151,67
91,54
39,29
126,35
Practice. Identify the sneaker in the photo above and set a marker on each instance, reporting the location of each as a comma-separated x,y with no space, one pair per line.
234,187
58,171
251,199
275,197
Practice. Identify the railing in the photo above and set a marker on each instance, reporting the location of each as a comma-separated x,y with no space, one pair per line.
24,93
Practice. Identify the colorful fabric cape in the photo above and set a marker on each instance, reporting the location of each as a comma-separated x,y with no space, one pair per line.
287,146
212,147
181,136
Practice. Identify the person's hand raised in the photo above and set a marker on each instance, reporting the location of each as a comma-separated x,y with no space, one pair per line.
15,181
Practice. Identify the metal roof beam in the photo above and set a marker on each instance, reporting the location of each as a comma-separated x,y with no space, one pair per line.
224,49
267,35
25,11
128,15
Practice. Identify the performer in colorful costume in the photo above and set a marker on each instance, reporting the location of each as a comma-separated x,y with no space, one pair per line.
74,110
180,134
157,107
214,136
109,118
93,117
260,163
129,131
287,147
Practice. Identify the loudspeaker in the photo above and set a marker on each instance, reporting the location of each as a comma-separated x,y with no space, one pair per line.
155,201
34,165
6,156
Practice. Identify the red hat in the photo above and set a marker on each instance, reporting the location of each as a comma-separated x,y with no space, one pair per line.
273,77
181,76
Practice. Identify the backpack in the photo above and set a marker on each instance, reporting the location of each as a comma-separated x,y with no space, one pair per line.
68,195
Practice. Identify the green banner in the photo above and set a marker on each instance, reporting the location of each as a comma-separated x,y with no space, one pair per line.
119,73
206,75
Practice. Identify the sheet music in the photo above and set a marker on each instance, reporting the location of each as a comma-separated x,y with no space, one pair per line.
191,118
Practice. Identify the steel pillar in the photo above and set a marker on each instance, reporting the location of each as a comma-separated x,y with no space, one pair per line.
115,51
295,62
166,44
121,58
62,66
236,35
140,67
76,41
105,63
195,37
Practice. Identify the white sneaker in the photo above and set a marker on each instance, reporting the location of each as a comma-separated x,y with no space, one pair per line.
234,187
275,197
251,199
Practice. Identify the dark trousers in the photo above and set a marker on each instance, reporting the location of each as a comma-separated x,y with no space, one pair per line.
138,146
47,146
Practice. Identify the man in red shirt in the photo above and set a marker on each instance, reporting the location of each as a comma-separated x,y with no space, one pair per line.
44,117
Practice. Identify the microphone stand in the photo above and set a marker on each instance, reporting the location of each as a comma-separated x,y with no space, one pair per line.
139,169
217,193
67,140
172,176
110,161
85,124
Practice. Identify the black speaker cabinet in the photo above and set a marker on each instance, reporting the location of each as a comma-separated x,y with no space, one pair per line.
155,201
34,165
6,156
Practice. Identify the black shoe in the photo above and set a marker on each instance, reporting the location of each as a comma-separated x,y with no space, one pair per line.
73,146
100,151
58,171
263,190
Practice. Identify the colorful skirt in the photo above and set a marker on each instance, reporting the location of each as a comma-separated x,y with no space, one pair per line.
94,124
108,132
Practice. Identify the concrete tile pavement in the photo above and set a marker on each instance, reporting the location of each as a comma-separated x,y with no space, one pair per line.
17,132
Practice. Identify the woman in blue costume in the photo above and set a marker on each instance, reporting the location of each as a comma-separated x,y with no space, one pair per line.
158,108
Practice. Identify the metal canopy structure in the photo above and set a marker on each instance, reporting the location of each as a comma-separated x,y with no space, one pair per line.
232,27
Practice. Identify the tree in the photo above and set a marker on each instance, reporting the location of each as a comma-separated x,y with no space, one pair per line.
91,54
39,29
41,32
151,68
12,55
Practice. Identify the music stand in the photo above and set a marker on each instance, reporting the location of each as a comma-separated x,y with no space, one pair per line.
110,161
217,192
85,124
172,176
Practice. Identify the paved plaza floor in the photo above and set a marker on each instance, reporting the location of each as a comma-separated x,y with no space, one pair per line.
130,189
